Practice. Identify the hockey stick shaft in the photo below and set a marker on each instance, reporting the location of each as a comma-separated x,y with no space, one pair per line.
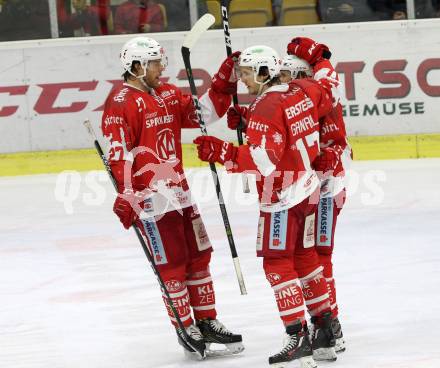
180,329
192,37
228,44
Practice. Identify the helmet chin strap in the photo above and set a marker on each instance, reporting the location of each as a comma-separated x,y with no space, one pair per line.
261,84
142,80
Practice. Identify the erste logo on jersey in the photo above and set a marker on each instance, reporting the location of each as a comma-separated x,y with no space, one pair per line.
165,145
299,108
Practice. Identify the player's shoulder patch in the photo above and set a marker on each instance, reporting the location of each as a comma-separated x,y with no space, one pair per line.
121,94
167,90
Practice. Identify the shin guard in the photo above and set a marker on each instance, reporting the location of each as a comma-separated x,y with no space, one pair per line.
315,292
201,288
285,284
326,261
202,296
176,286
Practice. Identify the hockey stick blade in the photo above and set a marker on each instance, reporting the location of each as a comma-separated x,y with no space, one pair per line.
200,27
88,126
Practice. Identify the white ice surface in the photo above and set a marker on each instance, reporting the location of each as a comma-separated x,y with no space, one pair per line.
76,290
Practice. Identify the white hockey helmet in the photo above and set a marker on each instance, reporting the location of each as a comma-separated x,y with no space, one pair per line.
260,56
295,65
141,49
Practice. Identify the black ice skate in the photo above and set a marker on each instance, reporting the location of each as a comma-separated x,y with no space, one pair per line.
198,350
323,339
296,347
337,331
214,332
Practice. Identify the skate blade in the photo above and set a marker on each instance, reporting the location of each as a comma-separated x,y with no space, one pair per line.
229,349
304,362
340,345
307,362
325,354
192,355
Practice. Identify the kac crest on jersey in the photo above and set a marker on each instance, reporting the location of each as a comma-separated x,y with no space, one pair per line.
166,145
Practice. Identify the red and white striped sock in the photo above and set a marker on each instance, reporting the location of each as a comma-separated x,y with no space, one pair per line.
315,292
180,298
202,296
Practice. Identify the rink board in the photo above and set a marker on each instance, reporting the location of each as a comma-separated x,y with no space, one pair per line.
364,148
49,87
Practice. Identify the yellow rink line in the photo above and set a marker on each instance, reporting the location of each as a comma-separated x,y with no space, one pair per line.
364,148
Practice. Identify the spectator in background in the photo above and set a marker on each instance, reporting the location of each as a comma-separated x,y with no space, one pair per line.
86,20
24,20
139,16
396,9
339,11
276,9
436,5
178,13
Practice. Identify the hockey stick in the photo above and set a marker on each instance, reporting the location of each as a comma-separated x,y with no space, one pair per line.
190,40
181,332
225,22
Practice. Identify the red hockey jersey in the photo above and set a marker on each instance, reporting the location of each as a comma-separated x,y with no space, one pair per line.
282,142
144,135
332,131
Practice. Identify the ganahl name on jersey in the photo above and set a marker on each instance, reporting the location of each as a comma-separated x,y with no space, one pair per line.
303,125
158,120
299,108
259,127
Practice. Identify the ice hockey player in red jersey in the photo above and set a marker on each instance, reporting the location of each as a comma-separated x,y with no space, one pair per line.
310,59
282,134
142,122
